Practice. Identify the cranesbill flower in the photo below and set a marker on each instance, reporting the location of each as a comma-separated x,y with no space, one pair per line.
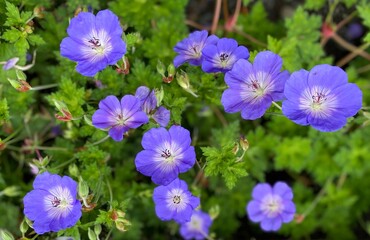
52,204
271,206
148,103
220,57
174,202
165,154
94,42
190,48
118,116
198,227
252,88
10,63
322,98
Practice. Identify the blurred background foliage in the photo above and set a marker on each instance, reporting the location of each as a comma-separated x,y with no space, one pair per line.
329,172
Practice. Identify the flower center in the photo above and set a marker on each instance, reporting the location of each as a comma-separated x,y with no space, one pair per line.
55,202
255,86
96,45
197,53
224,57
120,119
176,199
166,154
317,100
272,205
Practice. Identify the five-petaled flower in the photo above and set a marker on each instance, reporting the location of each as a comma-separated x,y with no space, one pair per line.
271,206
252,88
220,57
198,227
148,102
52,204
93,42
174,202
165,154
119,117
190,48
322,98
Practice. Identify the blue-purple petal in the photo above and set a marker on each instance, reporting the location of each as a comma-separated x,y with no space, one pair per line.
162,116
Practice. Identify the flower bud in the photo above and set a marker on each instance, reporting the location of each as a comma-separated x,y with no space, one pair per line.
214,212
171,70
73,170
97,229
2,145
161,68
91,234
183,80
38,12
159,94
83,188
44,162
34,169
21,75
11,191
10,63
23,227
65,115
244,143
20,85
5,235
122,225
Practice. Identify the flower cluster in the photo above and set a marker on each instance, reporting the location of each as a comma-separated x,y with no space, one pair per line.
210,52
271,206
52,204
94,42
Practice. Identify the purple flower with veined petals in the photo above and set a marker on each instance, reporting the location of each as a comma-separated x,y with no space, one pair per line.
221,57
190,48
322,98
118,116
165,154
10,63
52,204
198,227
148,102
162,116
252,88
147,98
271,206
174,202
94,42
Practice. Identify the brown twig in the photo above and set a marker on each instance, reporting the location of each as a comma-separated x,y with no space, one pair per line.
225,10
250,38
196,25
353,54
350,47
216,17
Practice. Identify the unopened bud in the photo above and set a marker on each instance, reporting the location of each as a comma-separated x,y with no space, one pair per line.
83,188
39,11
159,94
2,145
73,170
11,191
20,85
214,212
122,225
21,75
91,234
236,148
161,69
183,79
171,70
34,169
5,235
23,227
97,229
44,162
244,143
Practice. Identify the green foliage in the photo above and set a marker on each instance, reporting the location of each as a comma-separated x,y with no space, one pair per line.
4,111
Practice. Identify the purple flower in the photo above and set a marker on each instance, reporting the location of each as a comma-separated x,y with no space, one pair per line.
52,205
148,102
271,206
220,57
174,201
252,88
10,63
190,49
165,154
322,98
118,116
93,42
198,227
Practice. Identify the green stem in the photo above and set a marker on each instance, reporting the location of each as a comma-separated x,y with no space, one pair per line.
63,164
109,233
110,193
42,87
99,141
277,105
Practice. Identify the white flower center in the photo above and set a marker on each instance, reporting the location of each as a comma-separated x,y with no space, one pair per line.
168,155
318,101
176,199
257,86
97,45
59,202
195,223
272,205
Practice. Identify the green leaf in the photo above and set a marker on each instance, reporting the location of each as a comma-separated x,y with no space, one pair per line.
364,12
4,111
22,44
35,40
222,161
12,35
314,4
13,15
